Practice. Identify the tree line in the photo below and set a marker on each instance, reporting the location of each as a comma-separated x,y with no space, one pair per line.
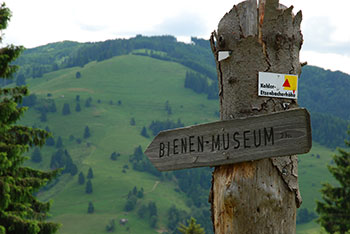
38,61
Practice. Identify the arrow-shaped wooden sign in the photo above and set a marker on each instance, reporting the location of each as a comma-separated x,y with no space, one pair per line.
232,141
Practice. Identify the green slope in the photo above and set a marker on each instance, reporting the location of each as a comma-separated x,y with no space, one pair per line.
141,85
312,173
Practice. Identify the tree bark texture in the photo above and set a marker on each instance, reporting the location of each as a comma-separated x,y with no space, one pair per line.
259,196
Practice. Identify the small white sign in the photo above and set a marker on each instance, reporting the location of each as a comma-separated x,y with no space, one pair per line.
278,85
224,55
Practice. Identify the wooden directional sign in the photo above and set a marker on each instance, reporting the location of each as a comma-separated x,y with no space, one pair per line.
232,141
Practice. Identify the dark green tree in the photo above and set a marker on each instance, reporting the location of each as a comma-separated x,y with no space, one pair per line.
81,178
153,221
140,193
132,121
90,173
144,132
91,208
192,228
77,75
36,155
334,210
130,203
305,216
21,80
65,109
52,107
77,107
77,98
88,188
43,117
152,208
114,156
59,143
20,211
134,190
30,100
87,132
62,159
110,227
50,141
142,211
174,216
88,102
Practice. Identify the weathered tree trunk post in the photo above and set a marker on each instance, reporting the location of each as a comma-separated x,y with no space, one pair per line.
259,196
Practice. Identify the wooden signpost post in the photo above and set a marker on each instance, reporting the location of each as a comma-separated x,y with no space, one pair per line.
256,48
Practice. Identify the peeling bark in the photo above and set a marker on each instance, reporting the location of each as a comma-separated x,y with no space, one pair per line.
260,196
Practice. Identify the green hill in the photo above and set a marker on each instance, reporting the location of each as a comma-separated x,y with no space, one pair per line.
121,88
121,91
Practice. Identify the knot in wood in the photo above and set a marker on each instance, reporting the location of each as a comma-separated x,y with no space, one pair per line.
280,40
221,41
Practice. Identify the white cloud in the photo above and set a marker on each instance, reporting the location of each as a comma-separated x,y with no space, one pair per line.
184,24
331,61
38,22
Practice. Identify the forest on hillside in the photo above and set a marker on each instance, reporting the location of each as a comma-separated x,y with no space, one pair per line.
330,112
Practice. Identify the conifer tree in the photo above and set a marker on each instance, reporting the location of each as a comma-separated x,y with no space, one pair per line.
88,102
87,132
65,109
50,141
144,132
90,173
88,188
20,211
36,156
59,143
192,228
334,210
111,226
77,75
53,107
77,107
132,121
43,117
81,178
91,208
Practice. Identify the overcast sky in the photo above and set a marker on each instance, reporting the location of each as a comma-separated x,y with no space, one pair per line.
37,22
